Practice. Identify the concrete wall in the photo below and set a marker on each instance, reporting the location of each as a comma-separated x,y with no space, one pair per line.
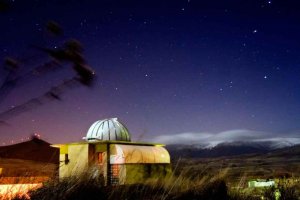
139,173
78,160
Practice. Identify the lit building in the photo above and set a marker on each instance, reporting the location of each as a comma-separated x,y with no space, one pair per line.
261,183
108,145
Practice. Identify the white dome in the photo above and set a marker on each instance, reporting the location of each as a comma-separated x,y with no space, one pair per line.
107,129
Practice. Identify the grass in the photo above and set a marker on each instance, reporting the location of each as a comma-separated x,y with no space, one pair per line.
168,188
73,188
23,168
189,180
174,187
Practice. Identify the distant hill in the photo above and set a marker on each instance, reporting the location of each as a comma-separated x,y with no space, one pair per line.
34,149
287,152
240,166
226,149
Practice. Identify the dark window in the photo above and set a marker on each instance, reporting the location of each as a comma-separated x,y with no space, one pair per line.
100,158
67,158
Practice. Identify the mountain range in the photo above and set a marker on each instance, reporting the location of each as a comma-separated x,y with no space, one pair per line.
226,149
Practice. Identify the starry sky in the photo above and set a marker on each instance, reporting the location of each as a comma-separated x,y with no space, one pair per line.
164,67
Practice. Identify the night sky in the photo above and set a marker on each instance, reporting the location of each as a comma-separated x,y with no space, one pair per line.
184,68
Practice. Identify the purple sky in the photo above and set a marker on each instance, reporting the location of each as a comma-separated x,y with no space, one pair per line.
163,67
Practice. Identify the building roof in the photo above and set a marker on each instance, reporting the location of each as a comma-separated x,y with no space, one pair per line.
108,129
110,142
126,154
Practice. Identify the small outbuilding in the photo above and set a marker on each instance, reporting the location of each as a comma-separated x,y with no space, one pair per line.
108,145
261,183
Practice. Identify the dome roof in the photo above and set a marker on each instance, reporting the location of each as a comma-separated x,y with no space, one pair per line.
107,129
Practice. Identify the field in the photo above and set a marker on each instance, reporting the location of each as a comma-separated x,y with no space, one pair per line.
181,186
240,169
18,176
25,168
197,178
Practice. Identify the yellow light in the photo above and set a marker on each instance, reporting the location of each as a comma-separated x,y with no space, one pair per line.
9,191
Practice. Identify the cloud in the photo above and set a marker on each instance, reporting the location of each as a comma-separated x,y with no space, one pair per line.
212,139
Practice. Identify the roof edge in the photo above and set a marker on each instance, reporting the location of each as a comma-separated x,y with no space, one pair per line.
110,142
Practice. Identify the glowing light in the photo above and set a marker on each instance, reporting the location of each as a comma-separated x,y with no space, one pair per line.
37,135
9,191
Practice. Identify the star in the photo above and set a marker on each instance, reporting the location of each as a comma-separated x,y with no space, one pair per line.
265,77
255,31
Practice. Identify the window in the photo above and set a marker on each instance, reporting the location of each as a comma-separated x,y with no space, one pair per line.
67,158
100,157
115,170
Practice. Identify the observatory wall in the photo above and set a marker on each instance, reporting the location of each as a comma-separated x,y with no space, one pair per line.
74,160
139,173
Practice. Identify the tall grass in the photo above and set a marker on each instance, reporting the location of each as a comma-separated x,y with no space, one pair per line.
18,186
181,184
70,189
285,192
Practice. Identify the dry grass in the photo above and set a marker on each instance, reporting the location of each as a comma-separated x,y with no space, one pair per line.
189,180
92,189
169,188
23,168
179,185
10,191
242,168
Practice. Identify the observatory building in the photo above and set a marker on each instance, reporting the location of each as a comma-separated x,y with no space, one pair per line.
108,145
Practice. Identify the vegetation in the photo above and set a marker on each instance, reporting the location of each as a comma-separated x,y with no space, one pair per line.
174,187
222,178
283,192
84,188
